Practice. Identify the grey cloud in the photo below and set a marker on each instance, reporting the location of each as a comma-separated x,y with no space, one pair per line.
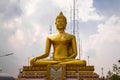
47,13
10,9
91,53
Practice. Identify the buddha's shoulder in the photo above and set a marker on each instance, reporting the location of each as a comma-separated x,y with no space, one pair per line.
66,35
70,35
51,36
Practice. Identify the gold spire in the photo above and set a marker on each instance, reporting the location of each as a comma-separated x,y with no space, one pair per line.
61,16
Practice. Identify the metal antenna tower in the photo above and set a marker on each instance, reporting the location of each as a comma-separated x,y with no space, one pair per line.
88,60
74,8
71,28
77,30
50,29
75,24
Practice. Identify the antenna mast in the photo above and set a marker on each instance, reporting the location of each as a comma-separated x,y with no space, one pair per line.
74,4
74,17
50,29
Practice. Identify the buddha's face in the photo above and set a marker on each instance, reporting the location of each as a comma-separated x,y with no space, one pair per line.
60,23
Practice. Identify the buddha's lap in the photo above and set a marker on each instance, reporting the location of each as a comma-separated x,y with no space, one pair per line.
66,61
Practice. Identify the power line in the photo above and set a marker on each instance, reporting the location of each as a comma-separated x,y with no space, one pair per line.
6,54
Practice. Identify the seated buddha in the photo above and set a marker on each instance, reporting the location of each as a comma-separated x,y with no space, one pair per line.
64,46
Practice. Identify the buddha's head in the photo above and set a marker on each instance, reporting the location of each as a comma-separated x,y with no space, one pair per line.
61,21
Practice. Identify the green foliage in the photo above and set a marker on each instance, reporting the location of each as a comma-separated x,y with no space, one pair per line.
110,73
115,77
115,73
116,69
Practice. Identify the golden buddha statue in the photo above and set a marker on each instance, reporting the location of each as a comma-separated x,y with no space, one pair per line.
64,45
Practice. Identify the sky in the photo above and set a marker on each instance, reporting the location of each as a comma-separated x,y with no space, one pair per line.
25,24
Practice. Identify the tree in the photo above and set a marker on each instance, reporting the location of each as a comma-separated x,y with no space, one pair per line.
115,77
116,69
110,73
115,73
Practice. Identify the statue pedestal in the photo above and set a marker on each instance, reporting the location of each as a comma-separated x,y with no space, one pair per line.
63,72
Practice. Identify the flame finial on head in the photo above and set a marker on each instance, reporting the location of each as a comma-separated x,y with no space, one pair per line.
61,13
61,16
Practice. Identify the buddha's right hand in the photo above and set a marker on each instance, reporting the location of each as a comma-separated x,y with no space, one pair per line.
35,59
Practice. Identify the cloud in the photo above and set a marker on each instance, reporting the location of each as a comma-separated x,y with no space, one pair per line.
18,39
27,37
9,9
108,31
63,4
28,28
105,44
87,11
12,24
23,33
